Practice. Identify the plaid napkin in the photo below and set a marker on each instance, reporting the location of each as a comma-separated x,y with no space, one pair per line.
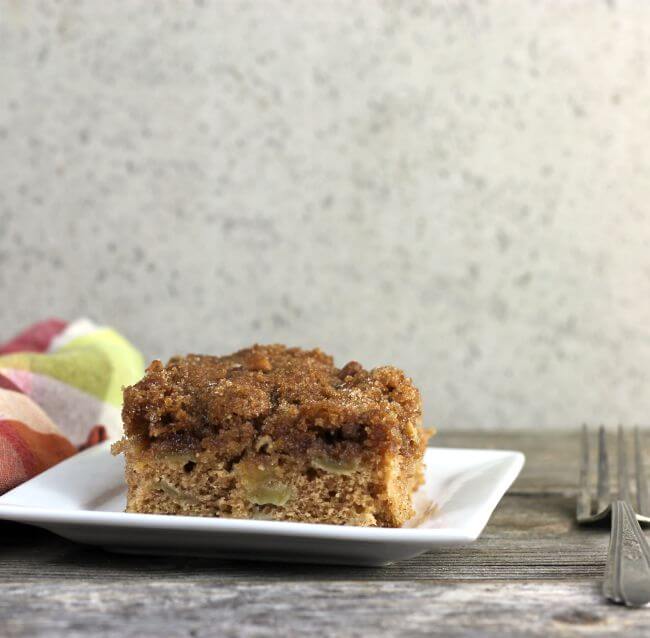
60,391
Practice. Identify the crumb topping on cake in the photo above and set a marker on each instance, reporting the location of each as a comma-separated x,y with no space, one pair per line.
295,398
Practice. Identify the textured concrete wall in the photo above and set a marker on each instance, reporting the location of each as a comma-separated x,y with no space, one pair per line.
458,188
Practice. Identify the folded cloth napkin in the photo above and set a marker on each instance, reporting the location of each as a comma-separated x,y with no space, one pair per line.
60,391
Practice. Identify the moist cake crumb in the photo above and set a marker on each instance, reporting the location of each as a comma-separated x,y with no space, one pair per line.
272,432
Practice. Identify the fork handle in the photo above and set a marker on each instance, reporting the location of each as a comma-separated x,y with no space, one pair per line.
627,573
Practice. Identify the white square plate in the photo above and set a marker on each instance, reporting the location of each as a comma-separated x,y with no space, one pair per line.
83,499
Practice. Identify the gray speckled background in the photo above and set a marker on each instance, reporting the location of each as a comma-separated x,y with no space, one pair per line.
458,188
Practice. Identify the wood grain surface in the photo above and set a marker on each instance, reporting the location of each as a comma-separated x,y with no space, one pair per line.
533,572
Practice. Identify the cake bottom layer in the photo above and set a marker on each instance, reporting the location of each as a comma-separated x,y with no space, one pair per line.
376,492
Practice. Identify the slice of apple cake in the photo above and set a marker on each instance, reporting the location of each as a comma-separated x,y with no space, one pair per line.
276,433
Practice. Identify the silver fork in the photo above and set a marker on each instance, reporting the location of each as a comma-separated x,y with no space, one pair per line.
627,572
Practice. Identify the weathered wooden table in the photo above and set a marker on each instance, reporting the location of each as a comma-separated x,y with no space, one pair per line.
532,572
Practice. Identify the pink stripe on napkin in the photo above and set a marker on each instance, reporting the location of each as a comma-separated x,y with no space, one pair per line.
36,338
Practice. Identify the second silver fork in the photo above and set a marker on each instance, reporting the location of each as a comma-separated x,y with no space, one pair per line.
627,571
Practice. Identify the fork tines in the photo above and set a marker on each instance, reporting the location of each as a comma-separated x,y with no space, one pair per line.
641,481
604,497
